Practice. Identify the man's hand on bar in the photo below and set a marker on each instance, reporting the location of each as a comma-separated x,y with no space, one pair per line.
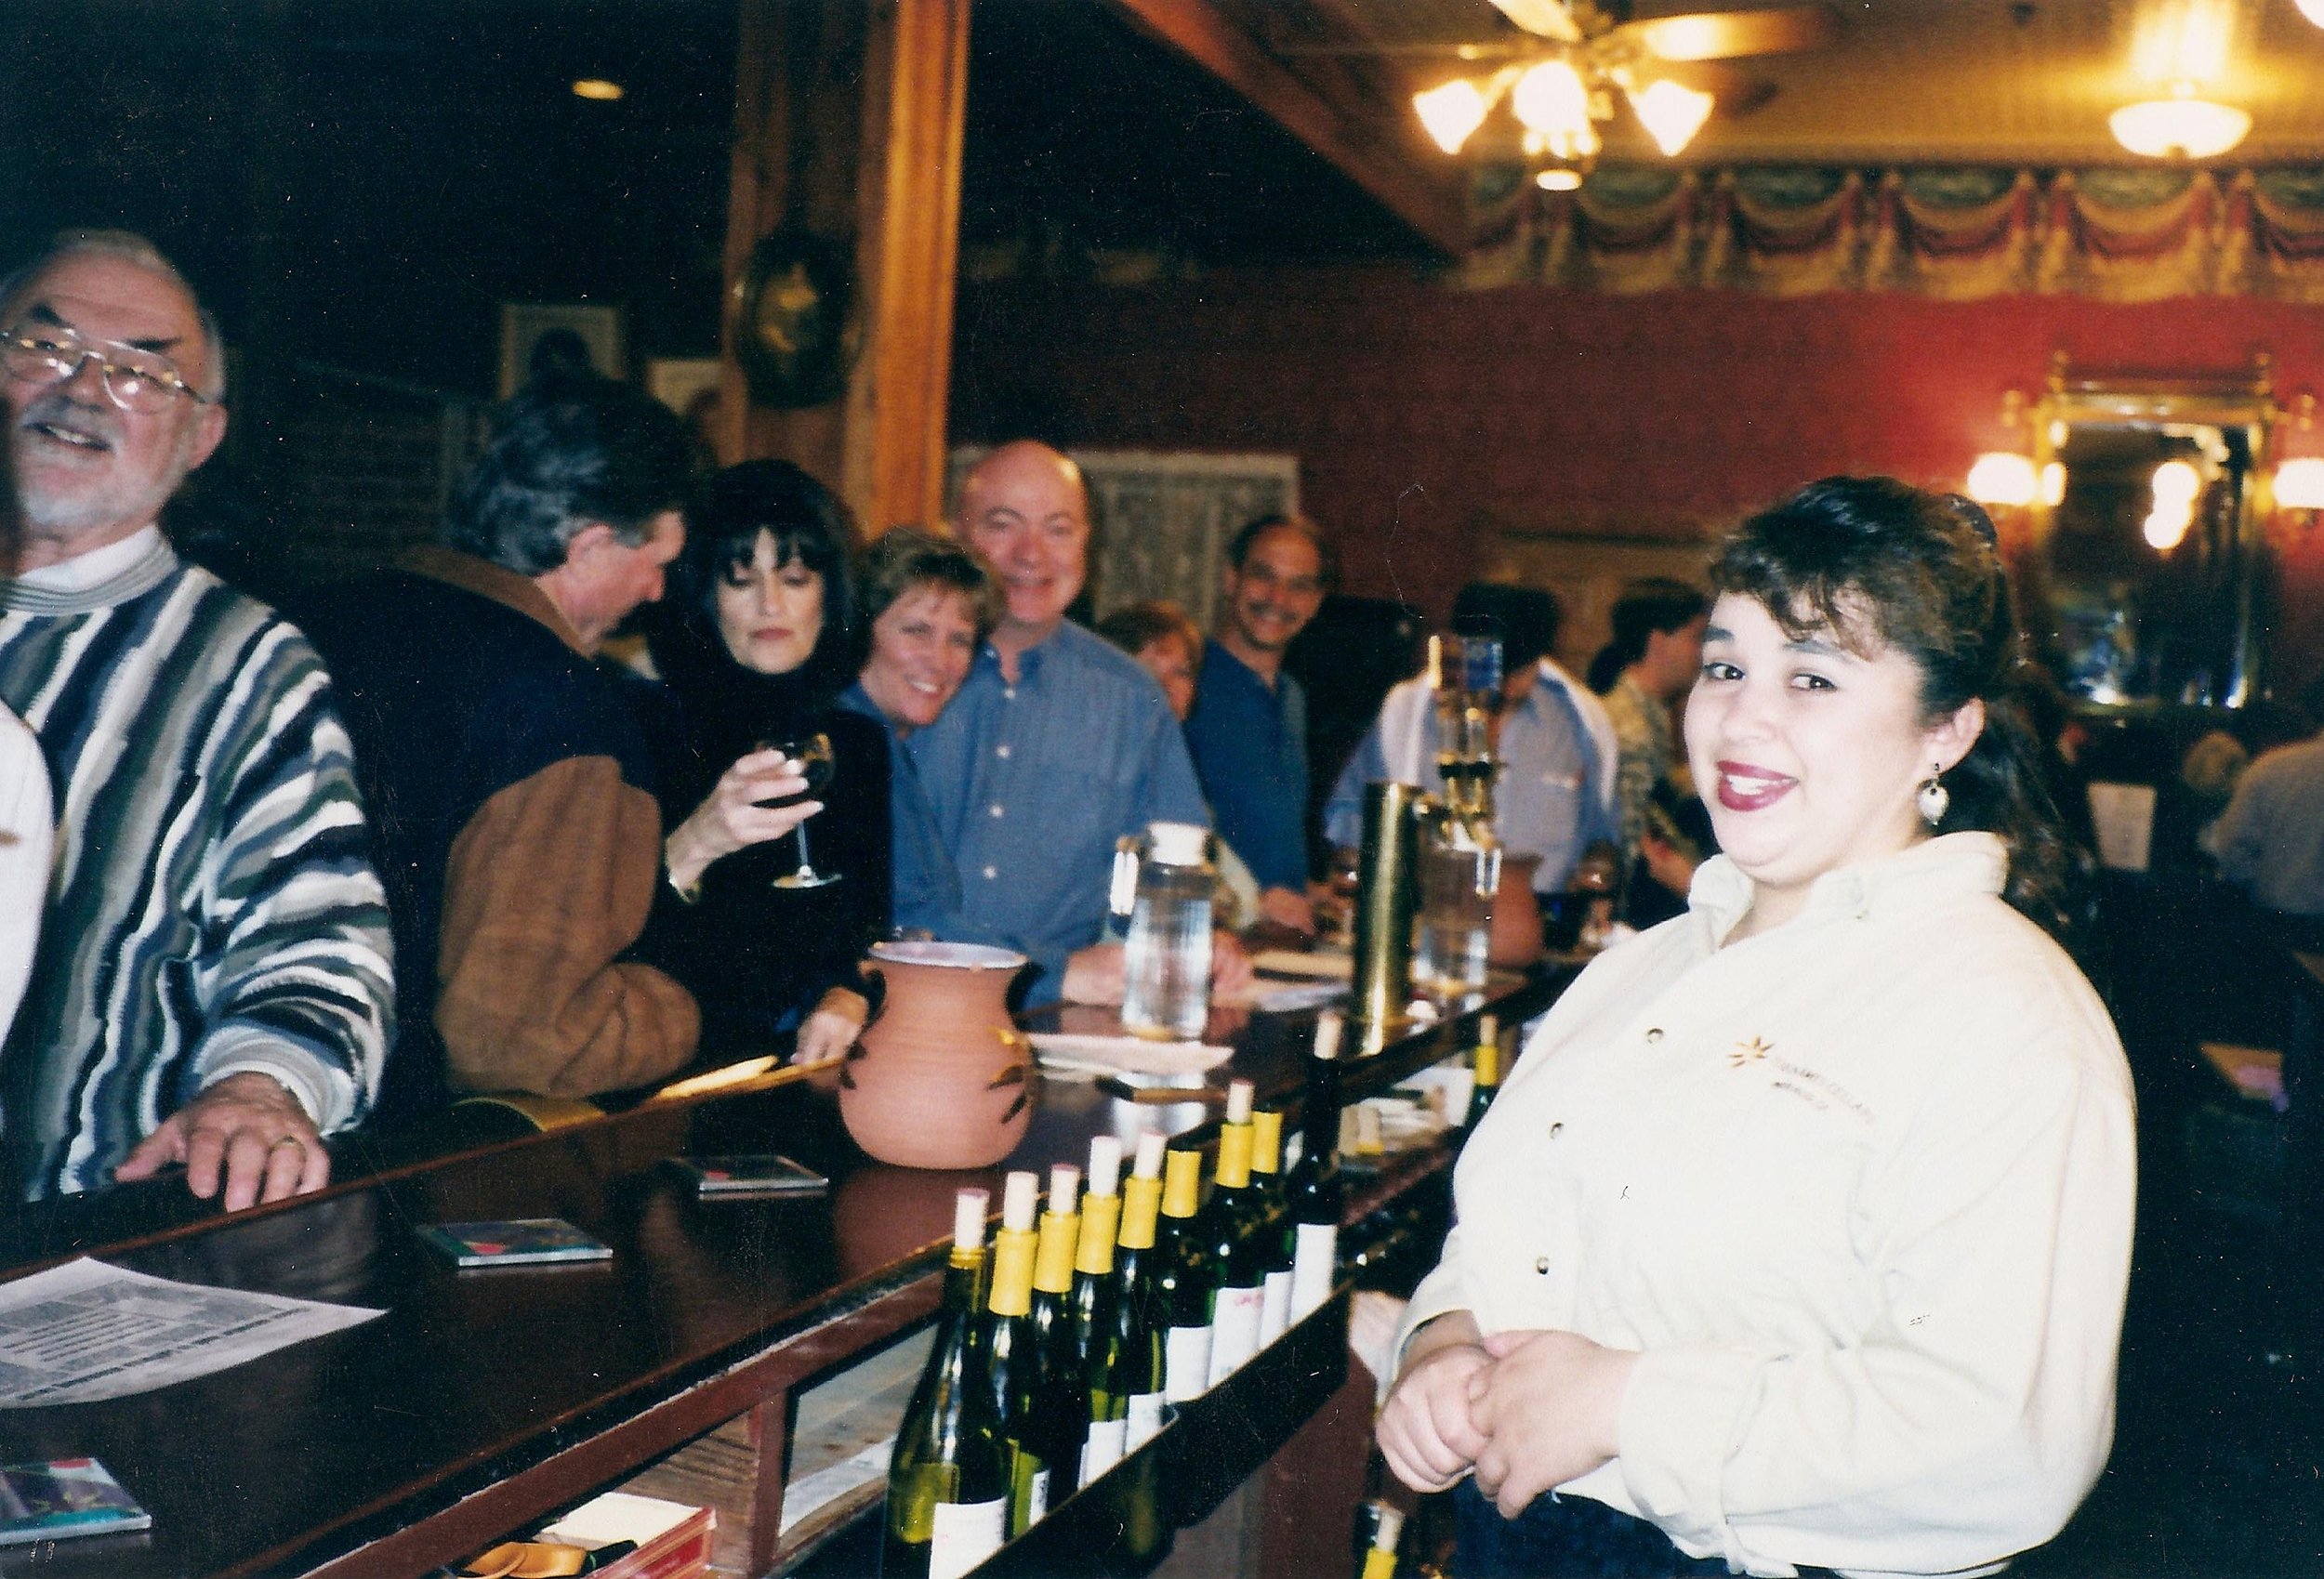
247,1135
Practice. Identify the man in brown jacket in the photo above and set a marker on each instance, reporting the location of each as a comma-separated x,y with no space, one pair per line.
505,771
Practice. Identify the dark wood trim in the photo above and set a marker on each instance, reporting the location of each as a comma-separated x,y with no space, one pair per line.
1353,135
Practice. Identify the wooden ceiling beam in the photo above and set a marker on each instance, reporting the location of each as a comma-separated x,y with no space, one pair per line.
1351,135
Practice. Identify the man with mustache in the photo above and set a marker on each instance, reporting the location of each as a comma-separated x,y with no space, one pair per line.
1056,747
213,983
1249,730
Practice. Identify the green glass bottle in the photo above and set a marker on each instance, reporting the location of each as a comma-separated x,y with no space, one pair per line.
1312,1189
1187,1277
1009,1305
1093,1308
1271,1224
1133,1388
1239,1279
1486,1063
1049,1400
948,1482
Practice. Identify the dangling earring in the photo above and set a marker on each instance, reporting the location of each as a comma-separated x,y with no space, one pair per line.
1933,799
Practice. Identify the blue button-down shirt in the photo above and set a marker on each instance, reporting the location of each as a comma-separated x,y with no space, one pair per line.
1030,785
1553,796
926,879
1248,741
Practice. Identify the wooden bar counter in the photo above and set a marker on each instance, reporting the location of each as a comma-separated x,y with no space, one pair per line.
482,1400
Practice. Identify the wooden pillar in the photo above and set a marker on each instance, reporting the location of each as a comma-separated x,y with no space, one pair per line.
848,117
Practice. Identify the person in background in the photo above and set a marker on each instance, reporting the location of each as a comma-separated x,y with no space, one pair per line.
1656,648
212,985
1168,645
1057,745
27,814
1554,797
2269,842
753,647
928,604
1799,1237
508,777
1248,733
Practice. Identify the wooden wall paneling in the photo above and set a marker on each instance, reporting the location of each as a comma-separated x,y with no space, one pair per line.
849,119
915,113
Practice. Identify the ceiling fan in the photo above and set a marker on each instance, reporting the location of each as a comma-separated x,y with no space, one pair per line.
1562,80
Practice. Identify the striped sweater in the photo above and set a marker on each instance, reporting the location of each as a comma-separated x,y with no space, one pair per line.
212,907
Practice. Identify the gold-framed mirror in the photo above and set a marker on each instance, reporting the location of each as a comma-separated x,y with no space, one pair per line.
2147,564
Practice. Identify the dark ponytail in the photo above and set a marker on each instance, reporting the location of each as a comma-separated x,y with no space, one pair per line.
1879,563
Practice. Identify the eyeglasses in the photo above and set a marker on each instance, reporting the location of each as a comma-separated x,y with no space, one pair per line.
137,380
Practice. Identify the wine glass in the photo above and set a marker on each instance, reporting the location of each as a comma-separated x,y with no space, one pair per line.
812,753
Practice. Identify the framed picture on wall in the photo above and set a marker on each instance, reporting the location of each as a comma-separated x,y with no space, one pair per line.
524,323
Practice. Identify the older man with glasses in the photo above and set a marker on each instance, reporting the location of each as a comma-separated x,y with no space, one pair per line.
212,983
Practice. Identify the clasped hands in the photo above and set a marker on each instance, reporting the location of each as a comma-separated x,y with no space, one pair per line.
1525,1410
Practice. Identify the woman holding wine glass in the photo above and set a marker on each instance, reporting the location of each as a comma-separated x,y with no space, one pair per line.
766,920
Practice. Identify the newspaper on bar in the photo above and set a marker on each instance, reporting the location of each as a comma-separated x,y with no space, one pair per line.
87,1331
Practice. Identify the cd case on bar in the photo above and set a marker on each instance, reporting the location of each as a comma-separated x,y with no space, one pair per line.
521,1242
762,1173
65,1496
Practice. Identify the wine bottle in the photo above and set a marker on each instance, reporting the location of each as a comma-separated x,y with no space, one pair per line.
1486,1062
1049,1402
1187,1277
1380,1527
1240,1275
948,1482
1312,1190
1008,1347
1093,1306
1135,1371
1271,1224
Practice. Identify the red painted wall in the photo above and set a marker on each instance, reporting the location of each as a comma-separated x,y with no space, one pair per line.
1425,417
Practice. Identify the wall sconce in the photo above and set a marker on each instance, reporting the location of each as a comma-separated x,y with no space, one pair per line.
2298,484
2007,478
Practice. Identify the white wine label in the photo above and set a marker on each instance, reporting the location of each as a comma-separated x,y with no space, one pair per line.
1313,1265
1037,1503
1187,1364
1233,1330
1274,1308
1107,1442
1145,1420
967,1532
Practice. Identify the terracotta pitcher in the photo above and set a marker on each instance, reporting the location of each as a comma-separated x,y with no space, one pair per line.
1516,938
941,1078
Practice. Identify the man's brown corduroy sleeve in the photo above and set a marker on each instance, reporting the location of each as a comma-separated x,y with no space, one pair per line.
549,882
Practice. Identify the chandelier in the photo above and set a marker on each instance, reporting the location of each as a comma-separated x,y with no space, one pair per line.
1579,59
1559,103
2183,43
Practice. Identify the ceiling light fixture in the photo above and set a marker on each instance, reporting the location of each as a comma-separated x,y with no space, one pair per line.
2181,125
597,88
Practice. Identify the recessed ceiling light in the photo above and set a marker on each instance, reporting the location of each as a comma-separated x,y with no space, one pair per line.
597,87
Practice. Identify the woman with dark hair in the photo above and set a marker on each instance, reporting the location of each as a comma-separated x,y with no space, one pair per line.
753,646
1799,1237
